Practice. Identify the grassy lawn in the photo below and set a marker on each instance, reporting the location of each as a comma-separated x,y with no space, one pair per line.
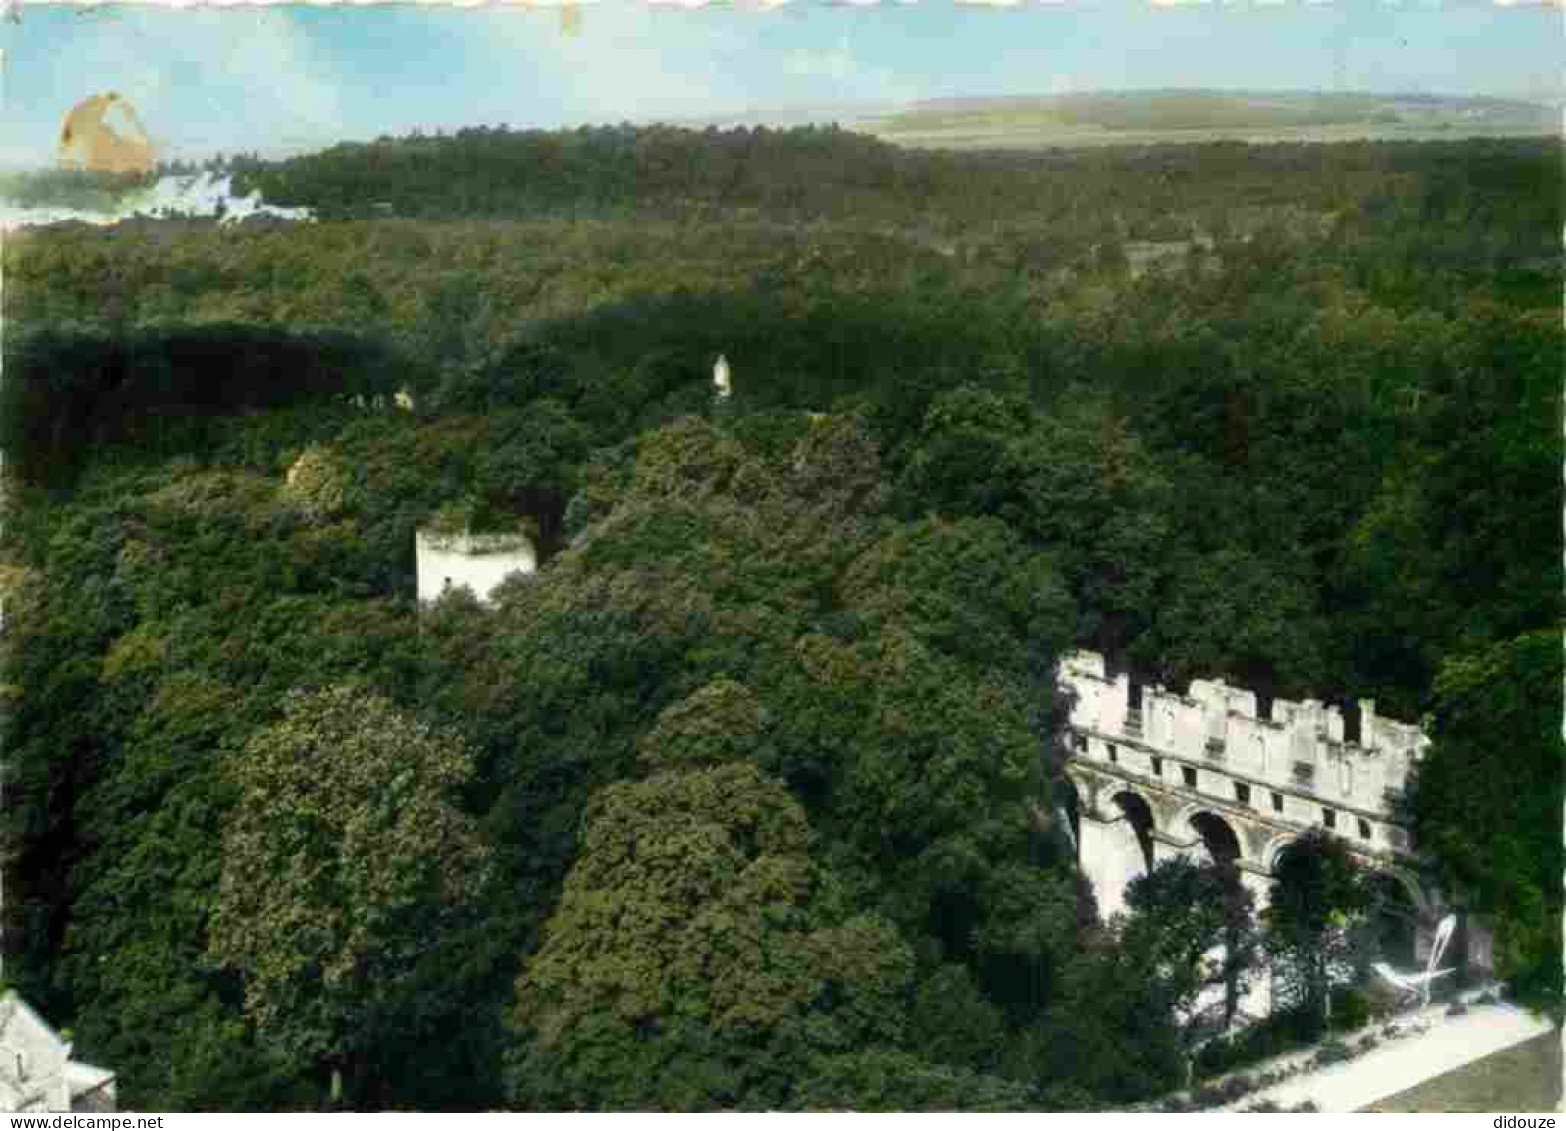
1526,1077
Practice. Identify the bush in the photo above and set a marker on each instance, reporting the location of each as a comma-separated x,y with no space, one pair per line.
1333,1052
1350,1009
1067,1097
1237,1087
1276,1035
1205,1095
1214,1058
1456,1009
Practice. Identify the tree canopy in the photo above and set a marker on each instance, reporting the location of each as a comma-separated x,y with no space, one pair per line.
782,685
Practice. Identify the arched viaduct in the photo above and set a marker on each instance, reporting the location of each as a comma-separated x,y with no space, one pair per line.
1154,774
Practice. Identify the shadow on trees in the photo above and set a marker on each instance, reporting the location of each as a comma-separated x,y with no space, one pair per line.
640,362
154,393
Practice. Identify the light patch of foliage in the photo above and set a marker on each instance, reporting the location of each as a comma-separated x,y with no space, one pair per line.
344,858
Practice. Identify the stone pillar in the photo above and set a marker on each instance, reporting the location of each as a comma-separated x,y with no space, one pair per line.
1111,857
1256,1002
1259,884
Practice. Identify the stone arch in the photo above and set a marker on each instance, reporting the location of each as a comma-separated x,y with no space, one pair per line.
1086,785
1221,843
1279,845
1136,810
1185,825
1408,883
1276,847
1396,917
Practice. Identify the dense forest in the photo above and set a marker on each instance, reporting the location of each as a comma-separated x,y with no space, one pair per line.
743,800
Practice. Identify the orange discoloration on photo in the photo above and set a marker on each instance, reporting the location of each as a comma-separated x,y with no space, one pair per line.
88,142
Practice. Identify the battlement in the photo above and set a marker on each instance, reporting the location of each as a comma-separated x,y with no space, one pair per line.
1299,746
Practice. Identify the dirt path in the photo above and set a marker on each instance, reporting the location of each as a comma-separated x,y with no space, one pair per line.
1523,1078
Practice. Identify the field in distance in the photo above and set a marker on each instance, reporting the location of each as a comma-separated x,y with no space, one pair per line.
1133,118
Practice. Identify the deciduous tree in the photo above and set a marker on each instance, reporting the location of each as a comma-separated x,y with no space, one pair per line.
345,859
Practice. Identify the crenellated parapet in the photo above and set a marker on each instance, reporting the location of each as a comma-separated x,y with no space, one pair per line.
1155,774
1295,759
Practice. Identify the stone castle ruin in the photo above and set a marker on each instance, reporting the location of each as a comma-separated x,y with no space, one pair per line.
1155,774
478,561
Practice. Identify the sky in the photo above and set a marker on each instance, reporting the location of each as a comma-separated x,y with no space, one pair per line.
267,79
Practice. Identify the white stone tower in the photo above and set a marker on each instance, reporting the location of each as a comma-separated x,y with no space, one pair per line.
479,561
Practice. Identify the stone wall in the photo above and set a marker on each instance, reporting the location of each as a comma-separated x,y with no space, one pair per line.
1296,761
479,561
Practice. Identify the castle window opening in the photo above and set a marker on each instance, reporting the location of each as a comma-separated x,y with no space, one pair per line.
1114,755
1352,716
1277,803
1081,741
1242,793
1189,774
1329,818
1158,766
1364,829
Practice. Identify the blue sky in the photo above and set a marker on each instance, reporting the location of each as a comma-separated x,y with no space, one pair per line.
263,78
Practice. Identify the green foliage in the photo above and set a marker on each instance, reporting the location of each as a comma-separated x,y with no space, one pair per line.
723,722
318,484
888,1081
1077,482
1350,1009
1320,897
695,934
343,861
80,190
1178,915
1484,810
952,1022
1106,1030
961,441
1333,1052
1281,1032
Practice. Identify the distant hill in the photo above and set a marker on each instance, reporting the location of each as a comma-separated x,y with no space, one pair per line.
1203,115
